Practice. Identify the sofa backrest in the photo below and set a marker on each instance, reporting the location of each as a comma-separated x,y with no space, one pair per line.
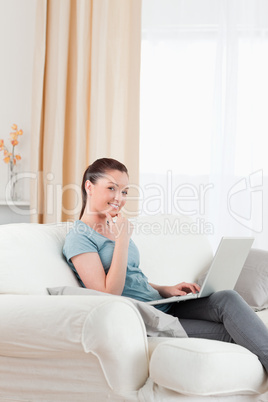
31,258
171,248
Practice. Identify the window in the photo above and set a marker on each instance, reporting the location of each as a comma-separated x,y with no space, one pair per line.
204,102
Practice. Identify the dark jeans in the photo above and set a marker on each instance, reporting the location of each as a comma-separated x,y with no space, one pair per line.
224,316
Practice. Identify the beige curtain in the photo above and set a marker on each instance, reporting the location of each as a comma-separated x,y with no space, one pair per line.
85,99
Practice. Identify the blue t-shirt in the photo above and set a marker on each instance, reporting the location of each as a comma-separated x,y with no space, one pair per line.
83,239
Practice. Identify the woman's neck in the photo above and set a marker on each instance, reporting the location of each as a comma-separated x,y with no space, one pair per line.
94,219
98,223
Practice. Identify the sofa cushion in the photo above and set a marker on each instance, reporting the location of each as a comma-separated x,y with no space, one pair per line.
252,283
172,248
31,258
205,367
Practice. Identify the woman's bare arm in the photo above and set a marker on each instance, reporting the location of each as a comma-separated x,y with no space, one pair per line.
90,269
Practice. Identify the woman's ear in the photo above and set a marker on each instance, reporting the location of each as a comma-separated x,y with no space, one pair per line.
88,187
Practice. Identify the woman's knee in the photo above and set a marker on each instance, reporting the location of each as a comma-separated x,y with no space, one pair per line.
227,294
226,297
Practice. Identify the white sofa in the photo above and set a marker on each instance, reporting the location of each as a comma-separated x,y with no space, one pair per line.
95,348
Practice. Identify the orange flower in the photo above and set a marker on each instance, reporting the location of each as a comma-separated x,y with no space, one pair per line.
9,157
14,136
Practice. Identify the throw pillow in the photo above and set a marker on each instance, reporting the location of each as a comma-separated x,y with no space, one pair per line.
252,283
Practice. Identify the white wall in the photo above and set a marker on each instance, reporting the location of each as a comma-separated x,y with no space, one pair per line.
17,26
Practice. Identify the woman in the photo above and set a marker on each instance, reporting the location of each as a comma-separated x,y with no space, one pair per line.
101,253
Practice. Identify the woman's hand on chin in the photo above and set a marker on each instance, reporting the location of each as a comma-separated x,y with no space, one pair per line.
122,228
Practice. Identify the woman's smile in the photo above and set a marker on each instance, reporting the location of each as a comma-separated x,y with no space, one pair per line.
113,205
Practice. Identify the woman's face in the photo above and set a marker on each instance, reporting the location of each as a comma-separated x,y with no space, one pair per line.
109,193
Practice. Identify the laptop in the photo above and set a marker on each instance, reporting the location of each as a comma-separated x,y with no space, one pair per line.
224,270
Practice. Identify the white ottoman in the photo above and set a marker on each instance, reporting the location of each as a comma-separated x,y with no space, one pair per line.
193,366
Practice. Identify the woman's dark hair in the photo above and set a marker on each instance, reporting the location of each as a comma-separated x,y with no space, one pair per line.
96,170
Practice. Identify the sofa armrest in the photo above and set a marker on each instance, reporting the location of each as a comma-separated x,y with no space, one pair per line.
111,329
